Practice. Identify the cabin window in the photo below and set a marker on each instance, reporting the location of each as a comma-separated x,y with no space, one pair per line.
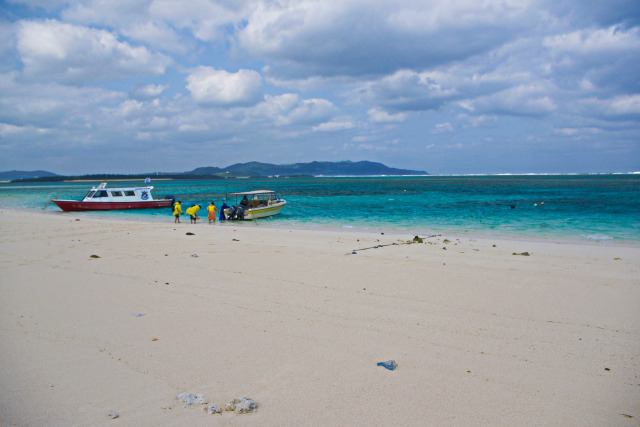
101,193
116,193
91,193
129,193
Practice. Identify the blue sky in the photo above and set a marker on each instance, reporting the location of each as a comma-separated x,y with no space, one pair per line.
446,86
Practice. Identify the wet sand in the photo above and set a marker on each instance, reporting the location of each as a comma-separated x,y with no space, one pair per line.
297,321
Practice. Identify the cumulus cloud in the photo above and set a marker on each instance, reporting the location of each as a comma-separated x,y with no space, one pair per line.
442,127
226,72
406,90
74,54
380,116
527,100
333,126
147,91
46,105
158,35
616,108
595,57
205,19
627,104
290,110
212,87
347,37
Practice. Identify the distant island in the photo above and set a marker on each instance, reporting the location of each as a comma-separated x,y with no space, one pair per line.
238,170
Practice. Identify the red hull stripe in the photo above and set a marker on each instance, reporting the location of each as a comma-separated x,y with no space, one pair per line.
71,205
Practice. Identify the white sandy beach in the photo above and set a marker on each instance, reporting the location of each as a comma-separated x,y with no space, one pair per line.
296,321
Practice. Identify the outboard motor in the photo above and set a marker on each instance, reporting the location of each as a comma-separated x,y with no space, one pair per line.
240,213
172,198
232,212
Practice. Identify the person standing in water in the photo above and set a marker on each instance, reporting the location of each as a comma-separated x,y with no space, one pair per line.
177,211
212,212
193,213
222,208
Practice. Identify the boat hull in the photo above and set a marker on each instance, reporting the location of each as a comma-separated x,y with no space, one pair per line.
78,205
259,212
262,212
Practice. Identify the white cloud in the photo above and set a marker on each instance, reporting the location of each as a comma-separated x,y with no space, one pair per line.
346,37
527,100
157,35
205,19
212,87
395,70
594,41
626,104
129,106
443,127
111,12
148,91
75,54
380,116
193,128
407,90
333,126
51,104
289,110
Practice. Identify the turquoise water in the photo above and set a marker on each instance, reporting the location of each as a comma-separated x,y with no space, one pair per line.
588,207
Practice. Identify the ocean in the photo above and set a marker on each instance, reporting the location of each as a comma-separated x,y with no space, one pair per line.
588,208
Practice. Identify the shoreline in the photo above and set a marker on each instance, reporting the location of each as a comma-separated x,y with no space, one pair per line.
372,230
104,315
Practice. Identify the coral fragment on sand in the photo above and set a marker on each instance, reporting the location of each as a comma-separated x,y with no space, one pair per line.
190,398
212,409
241,406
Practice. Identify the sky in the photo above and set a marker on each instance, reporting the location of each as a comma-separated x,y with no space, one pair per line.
444,86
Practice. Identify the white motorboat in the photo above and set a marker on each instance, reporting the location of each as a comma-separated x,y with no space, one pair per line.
102,198
254,205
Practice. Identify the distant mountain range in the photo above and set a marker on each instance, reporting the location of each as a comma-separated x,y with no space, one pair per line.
313,168
12,175
250,169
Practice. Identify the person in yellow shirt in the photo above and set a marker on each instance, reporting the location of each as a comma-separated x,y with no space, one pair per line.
177,211
193,213
212,212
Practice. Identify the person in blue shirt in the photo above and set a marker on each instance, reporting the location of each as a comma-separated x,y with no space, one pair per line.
222,208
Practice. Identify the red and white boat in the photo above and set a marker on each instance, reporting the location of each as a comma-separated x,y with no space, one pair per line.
101,198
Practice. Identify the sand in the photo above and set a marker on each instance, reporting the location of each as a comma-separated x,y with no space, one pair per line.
296,321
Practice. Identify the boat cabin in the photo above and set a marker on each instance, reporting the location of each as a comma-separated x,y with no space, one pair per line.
257,198
104,194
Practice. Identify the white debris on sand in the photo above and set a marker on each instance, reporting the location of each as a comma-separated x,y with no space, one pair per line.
212,409
242,406
190,398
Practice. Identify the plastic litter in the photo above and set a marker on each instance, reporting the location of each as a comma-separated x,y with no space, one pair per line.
138,314
195,255
389,364
113,415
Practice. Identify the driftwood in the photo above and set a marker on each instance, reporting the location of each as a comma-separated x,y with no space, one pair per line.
416,239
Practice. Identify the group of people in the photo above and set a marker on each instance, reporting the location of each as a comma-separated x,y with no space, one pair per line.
212,209
193,212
